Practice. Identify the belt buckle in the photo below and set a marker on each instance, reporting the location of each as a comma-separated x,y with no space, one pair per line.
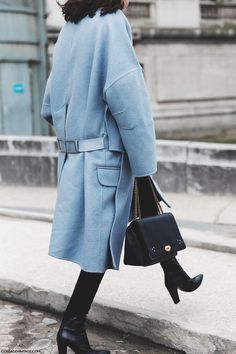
60,146
66,145
67,142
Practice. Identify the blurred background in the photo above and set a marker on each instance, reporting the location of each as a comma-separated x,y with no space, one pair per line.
187,49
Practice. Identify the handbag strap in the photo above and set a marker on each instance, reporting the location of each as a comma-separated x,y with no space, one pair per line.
159,208
137,209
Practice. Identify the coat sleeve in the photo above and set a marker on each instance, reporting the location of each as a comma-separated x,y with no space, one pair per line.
127,97
46,106
130,105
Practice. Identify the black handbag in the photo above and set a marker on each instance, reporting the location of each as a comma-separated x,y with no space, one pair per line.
152,236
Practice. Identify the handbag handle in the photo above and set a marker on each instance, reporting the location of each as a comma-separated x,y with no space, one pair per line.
137,209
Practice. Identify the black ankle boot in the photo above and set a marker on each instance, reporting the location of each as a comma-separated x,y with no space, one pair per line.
176,278
72,334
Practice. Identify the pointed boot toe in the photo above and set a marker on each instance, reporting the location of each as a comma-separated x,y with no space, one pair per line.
177,279
191,284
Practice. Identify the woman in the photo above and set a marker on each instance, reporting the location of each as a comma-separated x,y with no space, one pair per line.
97,101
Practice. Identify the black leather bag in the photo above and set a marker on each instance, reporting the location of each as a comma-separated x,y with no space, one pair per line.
152,236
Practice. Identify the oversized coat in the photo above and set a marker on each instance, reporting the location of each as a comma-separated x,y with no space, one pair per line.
96,88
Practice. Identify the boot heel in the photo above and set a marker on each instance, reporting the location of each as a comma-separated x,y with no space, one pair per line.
62,348
174,294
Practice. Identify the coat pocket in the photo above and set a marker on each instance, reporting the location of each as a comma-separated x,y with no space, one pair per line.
108,176
108,179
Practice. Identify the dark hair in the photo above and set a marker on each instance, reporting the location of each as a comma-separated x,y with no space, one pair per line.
75,10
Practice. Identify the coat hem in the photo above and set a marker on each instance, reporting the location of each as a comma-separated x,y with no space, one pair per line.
85,268
116,257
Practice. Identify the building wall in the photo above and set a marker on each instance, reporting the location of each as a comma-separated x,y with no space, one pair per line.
192,86
22,66
54,15
178,14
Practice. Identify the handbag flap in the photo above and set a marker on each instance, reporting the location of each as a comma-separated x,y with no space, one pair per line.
159,234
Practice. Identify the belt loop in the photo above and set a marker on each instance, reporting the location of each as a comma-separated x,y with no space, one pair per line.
106,141
77,145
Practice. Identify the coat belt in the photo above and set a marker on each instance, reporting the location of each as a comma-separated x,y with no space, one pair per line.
75,146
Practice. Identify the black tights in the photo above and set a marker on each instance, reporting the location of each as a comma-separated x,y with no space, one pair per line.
83,294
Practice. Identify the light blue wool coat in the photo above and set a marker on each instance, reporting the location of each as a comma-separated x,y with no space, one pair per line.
96,86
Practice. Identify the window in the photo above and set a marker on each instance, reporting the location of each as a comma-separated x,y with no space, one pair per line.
209,9
217,9
139,10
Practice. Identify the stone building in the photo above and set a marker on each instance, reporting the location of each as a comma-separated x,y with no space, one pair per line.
22,67
188,51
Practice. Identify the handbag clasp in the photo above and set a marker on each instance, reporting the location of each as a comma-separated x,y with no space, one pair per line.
167,248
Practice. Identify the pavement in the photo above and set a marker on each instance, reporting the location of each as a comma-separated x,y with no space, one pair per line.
133,299
29,330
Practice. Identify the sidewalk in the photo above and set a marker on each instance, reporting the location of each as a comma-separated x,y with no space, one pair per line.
207,222
133,299
194,207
